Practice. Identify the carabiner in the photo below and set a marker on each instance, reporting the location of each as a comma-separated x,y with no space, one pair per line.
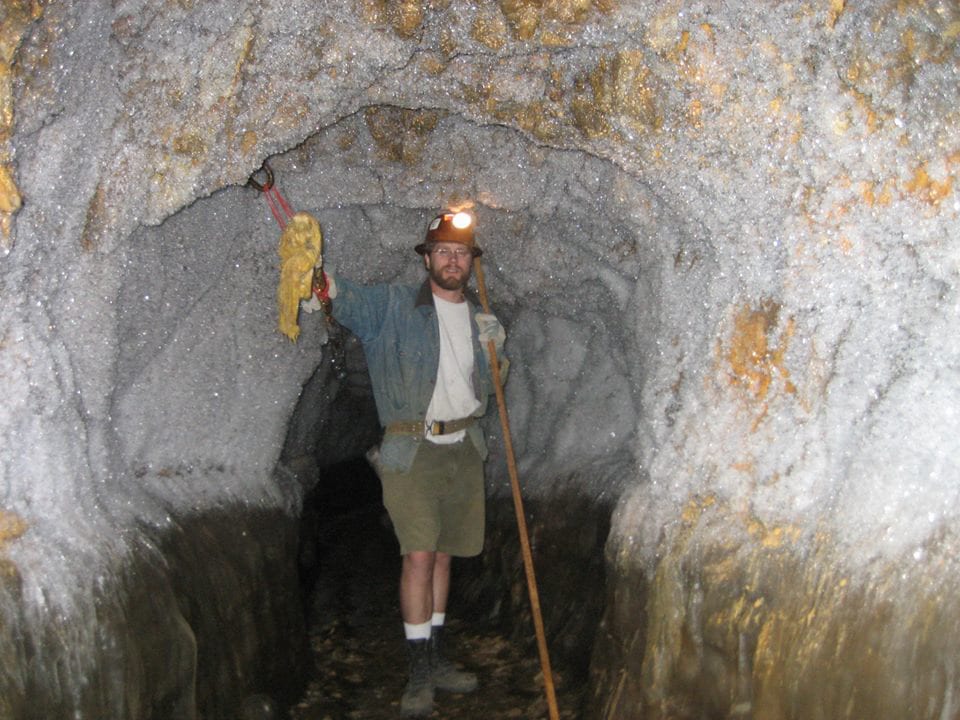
266,185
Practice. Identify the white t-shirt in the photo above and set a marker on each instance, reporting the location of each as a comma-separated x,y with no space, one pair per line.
453,396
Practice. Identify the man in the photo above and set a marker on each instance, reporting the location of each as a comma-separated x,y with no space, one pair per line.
426,352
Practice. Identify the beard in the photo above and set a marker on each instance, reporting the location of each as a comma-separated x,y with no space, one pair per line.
450,281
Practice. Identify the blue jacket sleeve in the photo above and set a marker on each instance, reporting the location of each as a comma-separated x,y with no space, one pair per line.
362,309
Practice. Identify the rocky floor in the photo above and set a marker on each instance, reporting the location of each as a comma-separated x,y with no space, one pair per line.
357,640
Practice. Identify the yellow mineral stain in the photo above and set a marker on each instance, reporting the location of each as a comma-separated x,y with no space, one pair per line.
406,16
301,248
551,39
696,506
797,133
664,28
774,538
860,71
838,211
590,99
696,59
538,118
909,41
15,17
841,123
718,91
449,41
292,110
6,99
248,142
526,17
868,193
753,361
571,12
835,11
490,30
10,199
400,134
874,194
346,139
618,87
523,16
556,92
189,145
634,95
695,113
373,12
12,526
886,193
925,188
432,64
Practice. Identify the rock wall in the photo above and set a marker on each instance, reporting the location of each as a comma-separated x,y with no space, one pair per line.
196,617
723,240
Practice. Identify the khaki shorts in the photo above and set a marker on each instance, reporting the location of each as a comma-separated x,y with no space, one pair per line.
438,505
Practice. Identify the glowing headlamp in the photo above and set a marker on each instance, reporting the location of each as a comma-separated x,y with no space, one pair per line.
456,227
462,220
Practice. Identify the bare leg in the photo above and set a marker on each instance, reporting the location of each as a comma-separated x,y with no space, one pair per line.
416,586
441,581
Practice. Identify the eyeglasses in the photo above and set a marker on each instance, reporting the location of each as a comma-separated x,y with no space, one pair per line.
459,253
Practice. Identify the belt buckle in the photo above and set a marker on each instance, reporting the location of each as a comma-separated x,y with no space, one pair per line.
437,427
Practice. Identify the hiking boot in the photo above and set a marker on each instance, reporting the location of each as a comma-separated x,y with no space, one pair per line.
417,700
443,672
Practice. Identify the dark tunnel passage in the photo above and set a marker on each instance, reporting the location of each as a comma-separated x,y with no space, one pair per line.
349,567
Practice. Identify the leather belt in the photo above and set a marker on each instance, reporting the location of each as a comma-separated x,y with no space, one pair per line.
437,427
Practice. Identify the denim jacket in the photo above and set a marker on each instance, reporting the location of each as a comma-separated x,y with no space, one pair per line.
398,327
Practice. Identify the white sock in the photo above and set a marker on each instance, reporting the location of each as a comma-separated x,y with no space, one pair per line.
418,631
437,619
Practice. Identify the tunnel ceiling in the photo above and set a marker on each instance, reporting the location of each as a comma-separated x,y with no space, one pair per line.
196,97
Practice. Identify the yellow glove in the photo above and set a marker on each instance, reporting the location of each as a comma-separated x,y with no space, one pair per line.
301,249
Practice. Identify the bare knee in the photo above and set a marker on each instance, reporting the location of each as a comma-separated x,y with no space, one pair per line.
419,564
441,561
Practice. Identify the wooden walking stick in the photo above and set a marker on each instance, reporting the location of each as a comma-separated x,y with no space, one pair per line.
518,506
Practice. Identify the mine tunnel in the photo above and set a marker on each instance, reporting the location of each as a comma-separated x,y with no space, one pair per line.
722,239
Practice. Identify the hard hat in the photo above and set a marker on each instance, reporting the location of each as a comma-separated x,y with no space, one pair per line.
450,227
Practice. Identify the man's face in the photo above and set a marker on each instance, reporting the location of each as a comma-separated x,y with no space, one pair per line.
449,265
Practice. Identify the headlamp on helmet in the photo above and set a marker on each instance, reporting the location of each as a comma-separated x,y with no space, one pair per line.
453,227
